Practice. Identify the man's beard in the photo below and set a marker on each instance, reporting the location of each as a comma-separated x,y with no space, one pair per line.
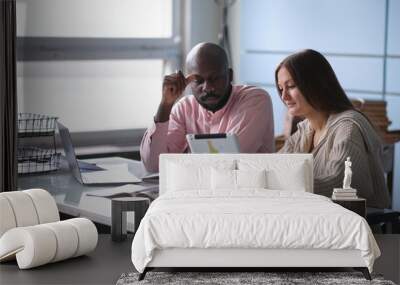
219,105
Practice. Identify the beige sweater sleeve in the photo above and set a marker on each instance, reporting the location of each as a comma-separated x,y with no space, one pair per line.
345,142
293,144
341,141
349,134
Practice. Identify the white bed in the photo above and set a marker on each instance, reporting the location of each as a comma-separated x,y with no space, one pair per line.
247,210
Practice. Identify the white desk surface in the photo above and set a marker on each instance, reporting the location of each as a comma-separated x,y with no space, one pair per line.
70,195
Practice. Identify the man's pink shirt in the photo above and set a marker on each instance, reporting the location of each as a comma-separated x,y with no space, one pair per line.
248,114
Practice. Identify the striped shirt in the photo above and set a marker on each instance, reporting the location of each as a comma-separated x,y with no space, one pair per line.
347,134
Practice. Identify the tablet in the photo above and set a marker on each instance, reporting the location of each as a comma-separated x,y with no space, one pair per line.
213,143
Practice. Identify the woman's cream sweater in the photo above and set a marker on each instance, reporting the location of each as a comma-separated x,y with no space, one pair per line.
347,134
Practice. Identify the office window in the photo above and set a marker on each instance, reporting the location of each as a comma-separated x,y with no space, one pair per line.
364,39
95,18
96,64
92,95
360,39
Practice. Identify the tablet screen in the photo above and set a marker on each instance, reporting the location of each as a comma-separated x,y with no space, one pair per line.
213,143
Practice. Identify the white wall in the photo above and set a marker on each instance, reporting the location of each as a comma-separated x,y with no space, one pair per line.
201,23
234,23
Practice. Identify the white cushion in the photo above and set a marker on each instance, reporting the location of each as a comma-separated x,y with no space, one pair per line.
23,208
26,208
40,244
66,237
242,161
226,179
7,218
223,179
188,176
34,244
292,178
281,174
87,235
45,205
251,178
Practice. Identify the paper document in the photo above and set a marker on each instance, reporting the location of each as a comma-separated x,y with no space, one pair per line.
151,176
117,173
128,190
83,165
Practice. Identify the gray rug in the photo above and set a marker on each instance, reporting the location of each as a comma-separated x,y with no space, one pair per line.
243,278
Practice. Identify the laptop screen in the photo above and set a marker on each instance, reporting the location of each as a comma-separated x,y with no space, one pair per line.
69,151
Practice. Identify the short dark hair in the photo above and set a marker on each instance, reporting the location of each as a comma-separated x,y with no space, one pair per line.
316,80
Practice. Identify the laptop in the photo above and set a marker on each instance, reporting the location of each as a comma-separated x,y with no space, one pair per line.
213,143
88,173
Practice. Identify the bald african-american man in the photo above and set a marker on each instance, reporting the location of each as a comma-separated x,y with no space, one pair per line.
215,106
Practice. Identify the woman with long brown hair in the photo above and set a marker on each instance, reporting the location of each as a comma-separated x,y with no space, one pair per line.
332,130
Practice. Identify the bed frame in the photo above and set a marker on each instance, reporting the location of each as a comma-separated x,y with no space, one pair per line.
242,258
256,258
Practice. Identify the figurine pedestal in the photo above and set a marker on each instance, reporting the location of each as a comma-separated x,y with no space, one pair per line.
344,190
344,194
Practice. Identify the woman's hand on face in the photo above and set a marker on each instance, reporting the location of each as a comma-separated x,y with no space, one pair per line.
173,87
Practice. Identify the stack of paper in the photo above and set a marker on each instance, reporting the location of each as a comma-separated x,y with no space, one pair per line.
127,190
344,194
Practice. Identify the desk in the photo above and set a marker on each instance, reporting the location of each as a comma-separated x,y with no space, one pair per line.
104,265
70,195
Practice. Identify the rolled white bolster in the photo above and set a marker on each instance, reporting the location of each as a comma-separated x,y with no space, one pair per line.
7,218
33,246
67,240
23,208
40,244
87,235
45,205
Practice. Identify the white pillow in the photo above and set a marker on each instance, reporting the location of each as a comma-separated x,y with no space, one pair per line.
227,179
281,174
251,178
189,176
223,179
293,178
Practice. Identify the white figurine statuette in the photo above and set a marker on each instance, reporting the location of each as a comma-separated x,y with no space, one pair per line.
347,192
347,174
